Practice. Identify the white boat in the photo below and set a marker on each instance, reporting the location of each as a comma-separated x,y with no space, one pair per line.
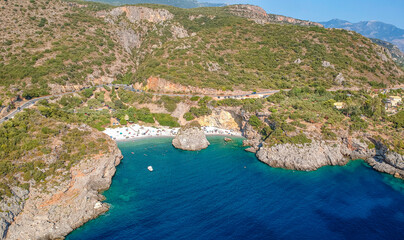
150,168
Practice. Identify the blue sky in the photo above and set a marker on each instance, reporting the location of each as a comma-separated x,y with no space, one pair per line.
388,11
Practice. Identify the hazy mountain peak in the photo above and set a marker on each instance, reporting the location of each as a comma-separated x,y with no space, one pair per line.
372,29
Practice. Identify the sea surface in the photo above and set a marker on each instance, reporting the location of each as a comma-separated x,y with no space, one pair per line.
224,192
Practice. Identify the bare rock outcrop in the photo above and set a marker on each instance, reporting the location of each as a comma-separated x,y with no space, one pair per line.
136,14
222,118
310,157
255,13
260,16
129,38
190,139
10,208
306,157
339,79
388,162
54,213
327,64
179,32
297,61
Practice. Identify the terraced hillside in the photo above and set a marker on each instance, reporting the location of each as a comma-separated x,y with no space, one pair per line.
55,46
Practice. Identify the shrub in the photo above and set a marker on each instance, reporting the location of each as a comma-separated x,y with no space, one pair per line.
195,98
166,120
255,122
398,119
42,22
189,116
199,112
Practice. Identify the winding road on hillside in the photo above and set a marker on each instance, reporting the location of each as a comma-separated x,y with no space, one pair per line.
31,102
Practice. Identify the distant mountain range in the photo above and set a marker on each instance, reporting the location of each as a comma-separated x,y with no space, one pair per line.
371,29
176,3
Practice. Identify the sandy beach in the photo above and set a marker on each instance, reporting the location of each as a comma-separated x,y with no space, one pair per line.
136,131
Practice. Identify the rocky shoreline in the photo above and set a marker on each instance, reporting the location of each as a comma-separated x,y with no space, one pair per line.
312,156
54,213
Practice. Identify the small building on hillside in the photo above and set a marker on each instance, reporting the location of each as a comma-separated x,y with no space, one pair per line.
395,100
339,105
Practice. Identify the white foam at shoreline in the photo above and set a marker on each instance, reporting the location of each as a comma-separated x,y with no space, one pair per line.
136,131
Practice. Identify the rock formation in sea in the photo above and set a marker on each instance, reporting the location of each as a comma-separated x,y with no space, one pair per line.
191,138
52,212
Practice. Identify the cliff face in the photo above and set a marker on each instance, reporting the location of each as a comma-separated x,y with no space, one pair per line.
56,212
320,153
10,208
310,157
394,51
190,139
222,118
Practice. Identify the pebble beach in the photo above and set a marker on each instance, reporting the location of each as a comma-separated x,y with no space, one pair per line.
136,131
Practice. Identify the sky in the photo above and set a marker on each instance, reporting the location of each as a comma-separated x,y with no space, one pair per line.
387,11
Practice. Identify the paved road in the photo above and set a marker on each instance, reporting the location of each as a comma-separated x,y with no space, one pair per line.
31,102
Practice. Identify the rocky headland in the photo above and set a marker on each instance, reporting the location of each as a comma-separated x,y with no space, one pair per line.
320,153
190,138
53,211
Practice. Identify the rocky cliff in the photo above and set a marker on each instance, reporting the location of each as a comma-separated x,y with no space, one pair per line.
260,16
54,213
394,51
312,156
222,118
320,153
10,208
190,139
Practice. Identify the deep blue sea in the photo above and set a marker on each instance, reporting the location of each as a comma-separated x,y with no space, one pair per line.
224,192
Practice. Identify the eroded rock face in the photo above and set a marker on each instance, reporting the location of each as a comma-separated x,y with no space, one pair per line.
388,162
221,119
10,208
306,157
136,14
260,16
129,39
190,139
54,213
310,157
255,13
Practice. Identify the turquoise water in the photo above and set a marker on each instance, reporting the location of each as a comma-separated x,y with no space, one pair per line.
224,192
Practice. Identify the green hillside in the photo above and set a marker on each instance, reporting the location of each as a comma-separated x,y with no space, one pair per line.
48,44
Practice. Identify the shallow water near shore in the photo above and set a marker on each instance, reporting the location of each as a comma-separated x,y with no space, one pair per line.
224,192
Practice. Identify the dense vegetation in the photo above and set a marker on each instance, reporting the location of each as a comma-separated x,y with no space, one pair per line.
72,46
28,147
42,52
291,113
244,54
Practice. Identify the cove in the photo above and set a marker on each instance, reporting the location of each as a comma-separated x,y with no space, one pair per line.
224,192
